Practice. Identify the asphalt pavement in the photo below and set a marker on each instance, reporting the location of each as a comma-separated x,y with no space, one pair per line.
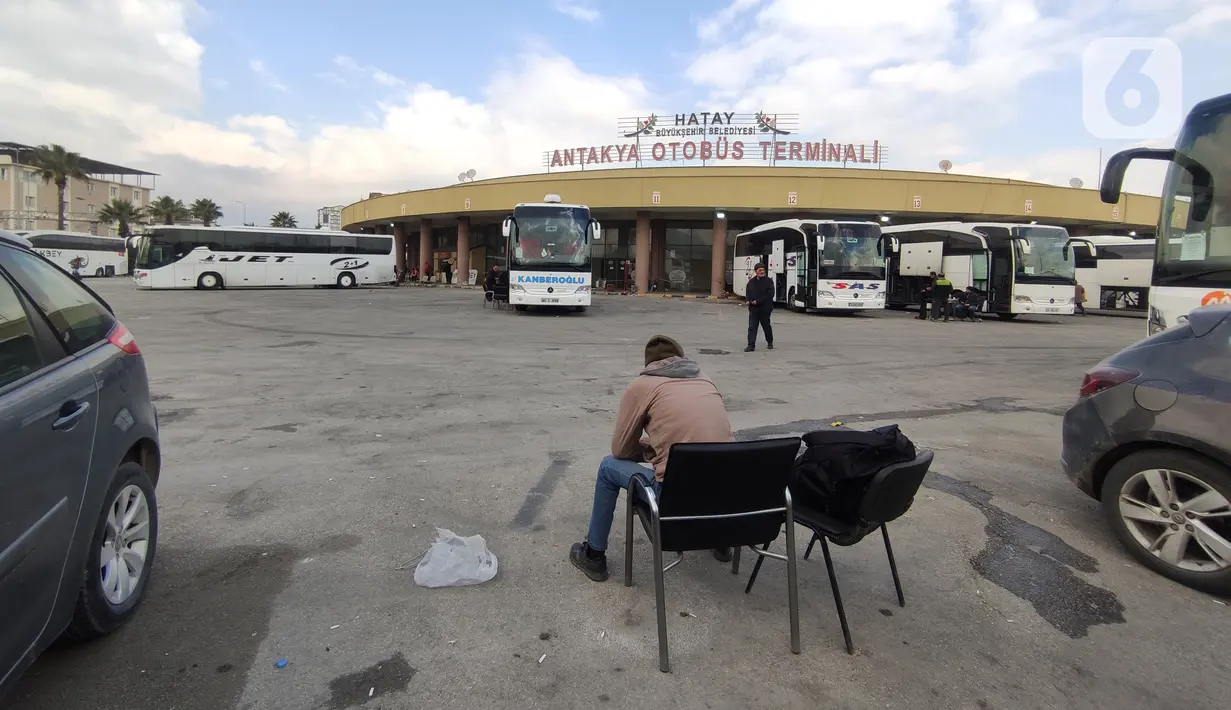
314,439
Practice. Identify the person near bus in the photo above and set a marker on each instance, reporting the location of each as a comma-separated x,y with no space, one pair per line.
940,297
492,282
1079,299
670,402
760,297
925,296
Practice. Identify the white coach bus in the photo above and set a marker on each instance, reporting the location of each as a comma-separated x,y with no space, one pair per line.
1115,271
92,255
1018,268
238,257
815,263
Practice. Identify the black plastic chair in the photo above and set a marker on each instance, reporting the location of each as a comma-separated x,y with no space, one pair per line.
888,496
716,495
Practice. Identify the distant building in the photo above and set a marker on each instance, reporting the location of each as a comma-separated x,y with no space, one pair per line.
27,203
330,217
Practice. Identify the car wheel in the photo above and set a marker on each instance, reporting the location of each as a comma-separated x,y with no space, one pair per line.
346,280
209,281
1172,511
121,556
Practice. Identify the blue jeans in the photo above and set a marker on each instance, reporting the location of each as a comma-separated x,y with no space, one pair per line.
613,474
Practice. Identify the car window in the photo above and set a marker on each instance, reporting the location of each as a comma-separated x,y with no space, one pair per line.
78,319
19,353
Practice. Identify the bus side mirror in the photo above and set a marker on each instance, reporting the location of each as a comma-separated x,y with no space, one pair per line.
596,230
507,227
1202,181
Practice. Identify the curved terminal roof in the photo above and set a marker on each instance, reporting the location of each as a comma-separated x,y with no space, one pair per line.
758,192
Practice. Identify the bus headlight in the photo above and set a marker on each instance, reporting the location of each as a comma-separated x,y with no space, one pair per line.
517,287
825,294
880,294
1021,299
582,289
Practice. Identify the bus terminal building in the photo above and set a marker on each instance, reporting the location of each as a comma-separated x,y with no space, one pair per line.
672,229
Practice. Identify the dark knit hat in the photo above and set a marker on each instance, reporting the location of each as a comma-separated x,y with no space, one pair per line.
660,347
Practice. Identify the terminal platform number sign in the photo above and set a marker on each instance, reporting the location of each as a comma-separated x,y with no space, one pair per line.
792,198
1029,206
656,197
918,202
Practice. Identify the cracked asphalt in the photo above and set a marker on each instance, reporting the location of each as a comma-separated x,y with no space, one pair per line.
313,440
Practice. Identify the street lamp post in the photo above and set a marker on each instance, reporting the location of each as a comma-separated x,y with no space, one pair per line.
243,220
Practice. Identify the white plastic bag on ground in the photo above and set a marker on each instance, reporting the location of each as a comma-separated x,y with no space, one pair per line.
455,561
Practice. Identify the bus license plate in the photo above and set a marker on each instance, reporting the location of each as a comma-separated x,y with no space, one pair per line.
854,305
551,300
1053,310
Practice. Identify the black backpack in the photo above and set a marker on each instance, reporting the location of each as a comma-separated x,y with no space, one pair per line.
832,474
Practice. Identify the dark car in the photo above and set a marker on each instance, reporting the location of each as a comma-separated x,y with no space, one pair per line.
1149,437
79,458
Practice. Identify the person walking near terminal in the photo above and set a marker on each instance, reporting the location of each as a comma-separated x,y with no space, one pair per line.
925,296
672,404
1079,299
940,297
760,297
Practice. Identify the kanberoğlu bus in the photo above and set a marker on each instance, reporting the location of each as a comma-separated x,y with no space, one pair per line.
549,248
238,257
1192,258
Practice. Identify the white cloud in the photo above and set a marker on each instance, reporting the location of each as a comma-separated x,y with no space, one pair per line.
931,79
420,136
581,10
379,76
1205,20
258,67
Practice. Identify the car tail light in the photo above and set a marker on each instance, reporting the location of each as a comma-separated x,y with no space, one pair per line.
1103,378
123,339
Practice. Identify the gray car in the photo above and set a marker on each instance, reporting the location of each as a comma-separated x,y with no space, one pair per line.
1148,437
79,458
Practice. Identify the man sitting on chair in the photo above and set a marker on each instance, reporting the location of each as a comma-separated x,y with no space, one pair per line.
673,404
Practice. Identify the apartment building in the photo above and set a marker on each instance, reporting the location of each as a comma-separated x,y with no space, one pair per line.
330,217
27,203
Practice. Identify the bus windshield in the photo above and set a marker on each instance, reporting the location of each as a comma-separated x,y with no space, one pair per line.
551,237
151,253
1191,252
850,251
1050,260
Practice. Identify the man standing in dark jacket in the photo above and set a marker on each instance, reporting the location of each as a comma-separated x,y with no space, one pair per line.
760,296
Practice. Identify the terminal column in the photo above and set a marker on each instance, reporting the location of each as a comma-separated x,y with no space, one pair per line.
399,245
718,259
462,276
641,265
425,247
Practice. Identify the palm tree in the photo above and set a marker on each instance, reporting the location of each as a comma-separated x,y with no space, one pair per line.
283,219
57,165
123,214
206,210
168,209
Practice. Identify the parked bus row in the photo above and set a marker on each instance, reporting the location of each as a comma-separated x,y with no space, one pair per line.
84,254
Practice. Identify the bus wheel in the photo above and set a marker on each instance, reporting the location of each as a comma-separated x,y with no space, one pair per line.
98,271
209,281
1006,316
790,302
346,280
519,306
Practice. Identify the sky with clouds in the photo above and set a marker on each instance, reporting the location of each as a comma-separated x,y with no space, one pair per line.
293,110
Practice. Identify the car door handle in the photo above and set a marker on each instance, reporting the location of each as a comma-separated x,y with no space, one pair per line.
68,421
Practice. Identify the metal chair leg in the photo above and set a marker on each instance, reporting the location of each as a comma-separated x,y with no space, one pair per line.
811,543
792,578
756,569
660,596
893,566
628,539
837,598
735,559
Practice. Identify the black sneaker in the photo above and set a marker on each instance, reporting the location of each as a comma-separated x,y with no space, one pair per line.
593,564
770,346
723,554
749,349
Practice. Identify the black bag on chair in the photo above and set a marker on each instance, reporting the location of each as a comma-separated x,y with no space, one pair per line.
832,473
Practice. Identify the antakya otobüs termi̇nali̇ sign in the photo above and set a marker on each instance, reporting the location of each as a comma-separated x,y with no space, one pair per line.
715,136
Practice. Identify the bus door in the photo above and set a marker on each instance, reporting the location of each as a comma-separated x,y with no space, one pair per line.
979,275
777,269
803,293
1000,295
